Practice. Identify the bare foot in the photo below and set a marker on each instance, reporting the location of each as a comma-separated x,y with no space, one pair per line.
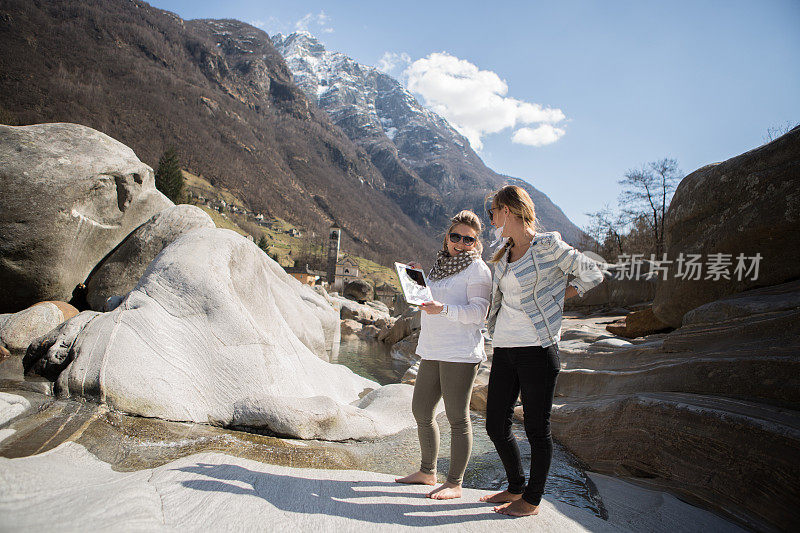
418,478
446,491
517,508
501,497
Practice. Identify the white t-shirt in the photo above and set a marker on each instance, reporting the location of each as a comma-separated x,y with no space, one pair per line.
456,336
513,327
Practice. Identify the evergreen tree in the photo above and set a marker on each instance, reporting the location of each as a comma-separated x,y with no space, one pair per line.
263,244
169,178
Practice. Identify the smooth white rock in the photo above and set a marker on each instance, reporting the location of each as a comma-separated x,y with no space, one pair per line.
68,489
216,332
11,406
19,329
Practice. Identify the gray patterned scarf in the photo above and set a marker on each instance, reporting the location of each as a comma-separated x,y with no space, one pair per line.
447,265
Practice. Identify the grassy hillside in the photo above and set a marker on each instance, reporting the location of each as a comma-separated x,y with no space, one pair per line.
282,245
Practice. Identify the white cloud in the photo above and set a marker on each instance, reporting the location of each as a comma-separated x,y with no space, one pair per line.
272,25
319,21
541,136
475,100
391,61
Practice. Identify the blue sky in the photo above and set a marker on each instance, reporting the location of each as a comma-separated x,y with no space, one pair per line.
600,87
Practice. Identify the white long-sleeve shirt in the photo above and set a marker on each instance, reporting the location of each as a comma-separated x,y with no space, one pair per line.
455,336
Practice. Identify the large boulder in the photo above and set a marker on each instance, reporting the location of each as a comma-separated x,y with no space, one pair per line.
401,328
619,289
638,324
359,291
748,205
18,330
216,332
68,196
119,273
351,328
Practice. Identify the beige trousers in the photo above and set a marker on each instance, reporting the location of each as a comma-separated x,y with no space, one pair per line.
453,382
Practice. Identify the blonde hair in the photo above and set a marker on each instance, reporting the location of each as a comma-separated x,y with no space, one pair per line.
519,203
469,219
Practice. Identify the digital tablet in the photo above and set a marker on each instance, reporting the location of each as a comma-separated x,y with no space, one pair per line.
414,284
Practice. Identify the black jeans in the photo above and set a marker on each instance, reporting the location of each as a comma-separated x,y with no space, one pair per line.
533,371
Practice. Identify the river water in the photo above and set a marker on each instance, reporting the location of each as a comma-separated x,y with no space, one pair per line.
567,481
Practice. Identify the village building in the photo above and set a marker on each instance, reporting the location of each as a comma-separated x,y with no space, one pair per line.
346,271
386,293
305,275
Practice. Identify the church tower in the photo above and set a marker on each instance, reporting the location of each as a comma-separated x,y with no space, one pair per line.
334,235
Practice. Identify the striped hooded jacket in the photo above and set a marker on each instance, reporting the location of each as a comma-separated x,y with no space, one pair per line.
544,282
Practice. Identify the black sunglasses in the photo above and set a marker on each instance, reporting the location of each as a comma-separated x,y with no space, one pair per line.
457,237
490,213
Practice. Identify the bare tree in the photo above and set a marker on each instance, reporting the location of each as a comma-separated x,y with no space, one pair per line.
606,229
774,132
646,192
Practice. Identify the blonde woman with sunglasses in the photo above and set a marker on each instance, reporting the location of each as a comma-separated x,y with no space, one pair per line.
528,292
451,349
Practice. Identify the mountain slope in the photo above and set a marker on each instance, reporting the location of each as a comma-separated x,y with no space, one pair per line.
219,92
430,169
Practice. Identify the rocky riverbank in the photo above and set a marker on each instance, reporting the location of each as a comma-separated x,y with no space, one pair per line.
178,336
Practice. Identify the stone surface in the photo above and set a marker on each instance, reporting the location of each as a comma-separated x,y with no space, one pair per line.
711,405
68,488
699,446
777,298
19,329
68,311
639,324
625,503
320,308
401,328
410,375
359,291
615,292
119,273
746,205
608,344
383,411
360,312
404,353
369,332
68,196
51,353
384,323
11,406
380,306
215,332
480,388
350,328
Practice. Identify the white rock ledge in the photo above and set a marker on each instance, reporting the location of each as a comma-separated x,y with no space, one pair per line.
69,489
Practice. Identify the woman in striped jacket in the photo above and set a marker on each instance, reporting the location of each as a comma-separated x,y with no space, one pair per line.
528,292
